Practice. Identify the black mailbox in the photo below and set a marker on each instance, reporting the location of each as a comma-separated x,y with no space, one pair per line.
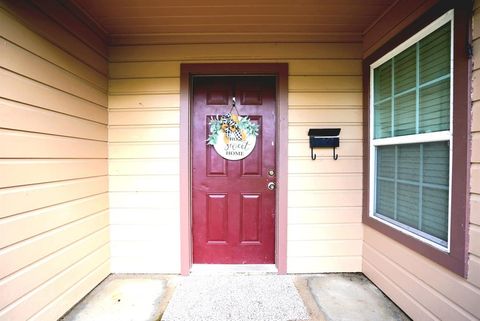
324,137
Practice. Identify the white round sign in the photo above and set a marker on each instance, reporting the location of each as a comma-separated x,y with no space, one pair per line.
233,149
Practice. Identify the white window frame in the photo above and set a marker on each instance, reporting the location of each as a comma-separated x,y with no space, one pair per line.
410,139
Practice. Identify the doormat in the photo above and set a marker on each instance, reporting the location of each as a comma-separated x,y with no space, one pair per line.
236,298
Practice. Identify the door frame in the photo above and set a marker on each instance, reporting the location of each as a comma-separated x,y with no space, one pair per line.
187,71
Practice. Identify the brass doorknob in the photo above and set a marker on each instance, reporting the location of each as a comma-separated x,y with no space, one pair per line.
271,186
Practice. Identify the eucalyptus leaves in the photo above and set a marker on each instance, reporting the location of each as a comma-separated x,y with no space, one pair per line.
233,127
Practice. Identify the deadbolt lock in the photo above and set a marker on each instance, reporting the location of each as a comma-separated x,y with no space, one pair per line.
271,172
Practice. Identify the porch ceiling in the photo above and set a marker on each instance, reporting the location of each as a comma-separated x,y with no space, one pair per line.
218,21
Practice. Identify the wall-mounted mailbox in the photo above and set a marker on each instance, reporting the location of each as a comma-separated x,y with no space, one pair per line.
324,137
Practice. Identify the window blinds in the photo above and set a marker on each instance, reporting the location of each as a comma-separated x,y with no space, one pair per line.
412,90
412,186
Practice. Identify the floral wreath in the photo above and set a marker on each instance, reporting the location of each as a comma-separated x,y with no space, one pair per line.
234,127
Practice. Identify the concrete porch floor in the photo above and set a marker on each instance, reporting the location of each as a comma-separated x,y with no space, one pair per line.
144,297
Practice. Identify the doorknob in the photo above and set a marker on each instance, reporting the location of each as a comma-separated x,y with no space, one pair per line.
271,186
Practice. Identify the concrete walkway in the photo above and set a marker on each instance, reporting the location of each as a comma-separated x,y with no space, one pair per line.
326,297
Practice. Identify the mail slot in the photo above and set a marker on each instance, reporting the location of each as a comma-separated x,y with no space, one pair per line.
324,137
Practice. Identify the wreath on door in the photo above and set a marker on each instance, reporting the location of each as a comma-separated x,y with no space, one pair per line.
232,136
232,127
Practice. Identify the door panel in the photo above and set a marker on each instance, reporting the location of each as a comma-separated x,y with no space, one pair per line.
217,220
216,165
252,165
250,219
233,212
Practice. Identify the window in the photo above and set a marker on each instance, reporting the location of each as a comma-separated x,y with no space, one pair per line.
411,135
417,134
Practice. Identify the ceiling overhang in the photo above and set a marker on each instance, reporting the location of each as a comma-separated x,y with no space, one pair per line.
125,22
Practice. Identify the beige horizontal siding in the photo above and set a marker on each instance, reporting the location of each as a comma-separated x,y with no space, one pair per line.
131,134
28,38
144,86
25,198
156,200
322,100
144,150
23,254
422,288
474,270
23,226
70,297
325,264
54,220
337,231
68,40
323,215
474,241
144,168
135,101
18,286
324,248
304,165
144,117
442,294
242,51
89,35
328,84
21,61
32,145
49,291
330,182
30,92
13,115
47,170
316,67
306,198
325,231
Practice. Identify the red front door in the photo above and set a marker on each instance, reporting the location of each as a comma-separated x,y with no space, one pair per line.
233,210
